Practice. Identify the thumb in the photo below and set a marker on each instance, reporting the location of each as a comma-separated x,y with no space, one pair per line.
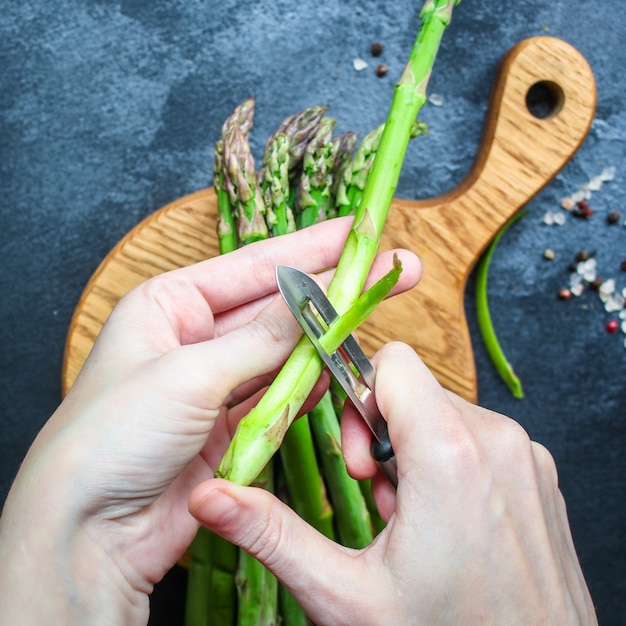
326,578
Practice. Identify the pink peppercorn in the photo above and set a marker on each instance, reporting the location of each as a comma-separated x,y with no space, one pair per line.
612,326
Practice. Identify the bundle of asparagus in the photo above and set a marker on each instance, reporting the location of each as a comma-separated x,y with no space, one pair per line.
306,175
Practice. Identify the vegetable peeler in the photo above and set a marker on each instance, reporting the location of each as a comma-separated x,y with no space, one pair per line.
348,364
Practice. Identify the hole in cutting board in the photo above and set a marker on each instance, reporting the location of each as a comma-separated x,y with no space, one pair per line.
545,99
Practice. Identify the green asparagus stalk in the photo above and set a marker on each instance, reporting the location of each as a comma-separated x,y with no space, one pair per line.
409,97
279,173
241,118
226,226
291,613
284,151
257,587
352,517
240,176
260,433
198,600
313,198
303,479
307,494
211,595
378,523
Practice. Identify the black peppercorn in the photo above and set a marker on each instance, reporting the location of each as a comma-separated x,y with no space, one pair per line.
377,48
596,283
382,70
613,217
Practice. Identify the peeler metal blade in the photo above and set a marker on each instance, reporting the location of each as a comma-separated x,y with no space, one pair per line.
349,364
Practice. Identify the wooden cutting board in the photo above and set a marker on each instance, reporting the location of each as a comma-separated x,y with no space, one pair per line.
519,154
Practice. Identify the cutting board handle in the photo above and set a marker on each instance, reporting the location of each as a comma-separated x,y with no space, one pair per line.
542,105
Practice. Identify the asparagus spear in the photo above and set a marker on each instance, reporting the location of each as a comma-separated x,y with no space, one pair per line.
226,227
313,198
350,187
240,175
304,482
211,595
352,517
353,181
257,587
260,433
346,143
274,177
299,128
307,494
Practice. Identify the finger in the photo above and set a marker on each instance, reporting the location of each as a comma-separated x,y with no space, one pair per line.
177,307
208,372
356,442
307,563
252,268
424,425
409,277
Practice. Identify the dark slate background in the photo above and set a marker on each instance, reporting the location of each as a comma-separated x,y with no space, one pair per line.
109,110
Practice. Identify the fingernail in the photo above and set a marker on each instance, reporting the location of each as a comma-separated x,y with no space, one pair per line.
216,508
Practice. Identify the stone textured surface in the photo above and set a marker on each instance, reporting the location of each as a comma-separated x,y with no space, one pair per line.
108,110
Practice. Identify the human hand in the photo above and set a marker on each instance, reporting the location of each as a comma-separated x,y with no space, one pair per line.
477,531
99,510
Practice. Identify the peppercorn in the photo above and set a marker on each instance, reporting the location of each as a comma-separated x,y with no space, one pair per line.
623,265
596,283
582,209
377,48
381,70
582,255
612,326
613,217
565,294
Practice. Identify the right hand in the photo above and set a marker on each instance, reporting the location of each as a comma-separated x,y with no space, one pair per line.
477,532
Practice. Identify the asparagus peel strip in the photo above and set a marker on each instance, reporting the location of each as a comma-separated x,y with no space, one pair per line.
260,433
483,316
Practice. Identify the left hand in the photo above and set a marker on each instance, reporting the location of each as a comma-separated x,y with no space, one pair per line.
103,493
